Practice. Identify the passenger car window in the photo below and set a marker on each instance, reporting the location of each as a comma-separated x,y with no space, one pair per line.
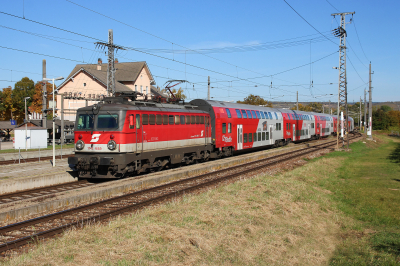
229,128
248,114
258,114
262,115
254,114
223,128
244,113
228,112
239,115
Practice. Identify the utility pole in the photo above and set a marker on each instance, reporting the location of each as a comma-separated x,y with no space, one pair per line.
370,104
44,98
110,68
297,100
208,94
365,111
342,101
360,114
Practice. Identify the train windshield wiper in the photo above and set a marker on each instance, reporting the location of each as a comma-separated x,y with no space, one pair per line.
116,120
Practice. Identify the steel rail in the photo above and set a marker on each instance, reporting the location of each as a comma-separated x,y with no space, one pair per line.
133,206
28,193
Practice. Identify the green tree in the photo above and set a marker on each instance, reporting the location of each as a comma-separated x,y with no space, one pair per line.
382,120
255,100
315,107
23,88
385,108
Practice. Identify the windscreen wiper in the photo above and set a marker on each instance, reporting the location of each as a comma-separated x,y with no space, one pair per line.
116,120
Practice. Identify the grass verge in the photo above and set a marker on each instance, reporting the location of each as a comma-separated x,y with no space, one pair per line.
341,209
58,147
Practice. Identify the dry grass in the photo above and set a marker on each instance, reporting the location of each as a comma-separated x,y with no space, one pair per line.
281,220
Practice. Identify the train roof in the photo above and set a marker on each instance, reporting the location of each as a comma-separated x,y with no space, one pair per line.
117,105
222,104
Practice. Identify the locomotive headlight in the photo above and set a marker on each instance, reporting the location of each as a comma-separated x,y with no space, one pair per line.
111,145
80,145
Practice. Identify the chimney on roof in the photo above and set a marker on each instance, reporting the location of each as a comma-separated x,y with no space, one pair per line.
116,61
99,62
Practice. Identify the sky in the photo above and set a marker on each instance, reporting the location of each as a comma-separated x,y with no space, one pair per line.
266,48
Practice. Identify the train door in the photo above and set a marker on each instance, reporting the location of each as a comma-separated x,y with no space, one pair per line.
271,139
294,132
207,127
239,137
139,133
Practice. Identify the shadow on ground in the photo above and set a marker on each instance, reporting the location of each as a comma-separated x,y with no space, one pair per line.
395,155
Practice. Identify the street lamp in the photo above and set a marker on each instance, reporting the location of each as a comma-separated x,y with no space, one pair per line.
54,119
26,125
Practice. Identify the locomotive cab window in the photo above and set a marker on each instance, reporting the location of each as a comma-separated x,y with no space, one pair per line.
85,121
107,121
137,121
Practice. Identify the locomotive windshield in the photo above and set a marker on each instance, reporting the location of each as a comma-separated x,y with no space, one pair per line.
85,121
107,121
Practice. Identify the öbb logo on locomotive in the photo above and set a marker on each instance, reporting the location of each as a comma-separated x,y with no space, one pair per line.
133,137
95,137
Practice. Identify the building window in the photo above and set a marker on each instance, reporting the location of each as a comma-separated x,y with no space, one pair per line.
147,89
141,88
84,84
135,87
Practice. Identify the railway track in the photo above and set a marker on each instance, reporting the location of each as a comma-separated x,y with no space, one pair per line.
42,191
36,159
30,231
